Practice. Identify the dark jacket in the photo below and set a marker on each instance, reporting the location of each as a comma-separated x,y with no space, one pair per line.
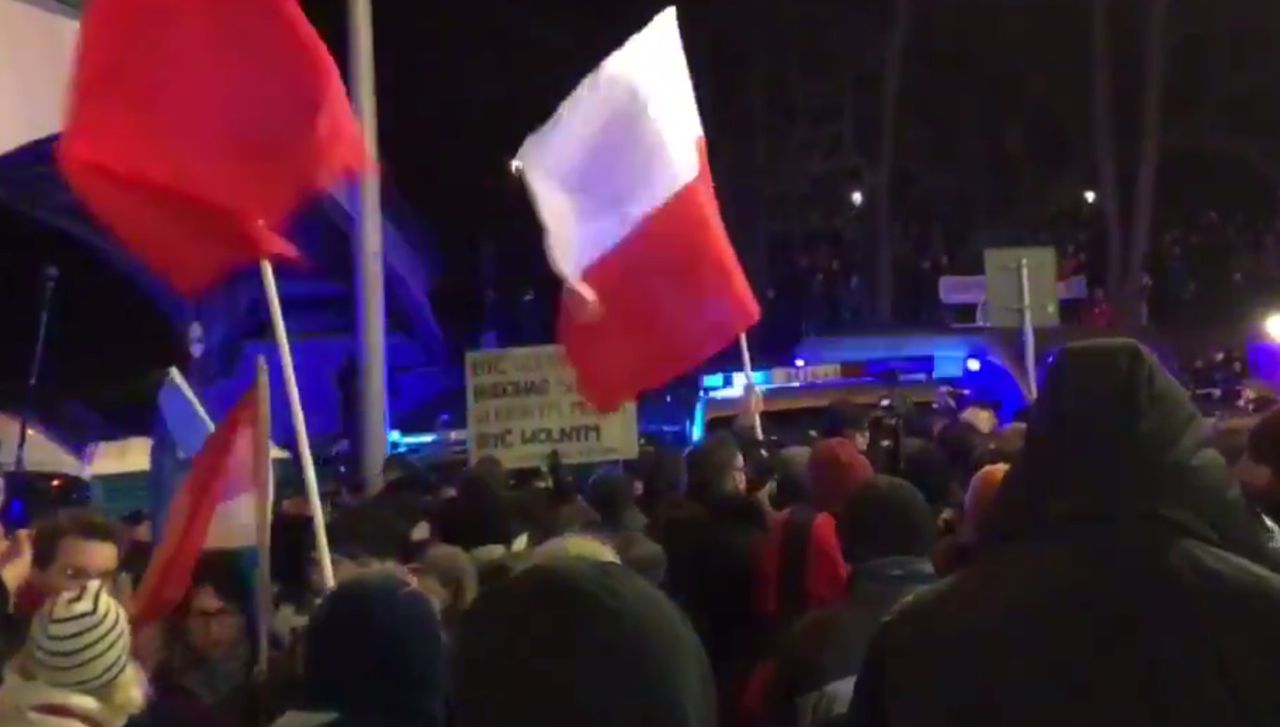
579,644
713,552
829,645
1126,583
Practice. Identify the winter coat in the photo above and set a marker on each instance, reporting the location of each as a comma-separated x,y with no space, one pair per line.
1124,581
828,646
579,644
713,556
26,703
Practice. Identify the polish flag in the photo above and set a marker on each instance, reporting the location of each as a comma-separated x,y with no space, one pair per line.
221,505
620,180
196,127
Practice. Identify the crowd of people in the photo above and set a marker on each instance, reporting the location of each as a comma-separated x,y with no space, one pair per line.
1108,561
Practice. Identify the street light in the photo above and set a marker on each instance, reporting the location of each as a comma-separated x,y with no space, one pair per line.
515,167
857,198
1271,325
1090,196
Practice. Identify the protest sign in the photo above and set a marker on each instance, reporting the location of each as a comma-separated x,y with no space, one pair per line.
523,403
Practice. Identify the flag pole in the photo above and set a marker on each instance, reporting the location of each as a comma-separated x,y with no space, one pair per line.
266,499
371,319
750,387
299,424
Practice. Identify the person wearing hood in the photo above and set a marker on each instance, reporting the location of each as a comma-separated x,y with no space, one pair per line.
801,567
578,643
76,669
1122,579
886,530
479,515
373,657
836,470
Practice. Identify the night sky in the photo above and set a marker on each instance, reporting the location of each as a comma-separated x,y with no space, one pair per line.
993,131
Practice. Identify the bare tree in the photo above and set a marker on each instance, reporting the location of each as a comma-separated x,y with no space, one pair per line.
1148,162
884,176
1126,257
1104,138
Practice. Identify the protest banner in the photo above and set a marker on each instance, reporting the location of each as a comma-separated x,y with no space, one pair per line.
523,403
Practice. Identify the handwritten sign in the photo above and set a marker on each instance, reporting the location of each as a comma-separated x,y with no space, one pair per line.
523,403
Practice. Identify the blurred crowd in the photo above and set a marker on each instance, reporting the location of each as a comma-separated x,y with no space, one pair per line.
1200,270
1108,561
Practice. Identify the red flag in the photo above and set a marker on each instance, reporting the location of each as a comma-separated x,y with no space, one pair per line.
217,506
620,179
196,127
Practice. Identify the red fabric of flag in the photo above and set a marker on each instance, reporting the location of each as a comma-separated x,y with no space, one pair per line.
196,127
223,475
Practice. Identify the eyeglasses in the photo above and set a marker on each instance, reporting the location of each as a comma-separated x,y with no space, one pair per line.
80,576
213,614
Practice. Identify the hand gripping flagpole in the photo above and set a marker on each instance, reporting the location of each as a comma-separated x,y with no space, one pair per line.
299,424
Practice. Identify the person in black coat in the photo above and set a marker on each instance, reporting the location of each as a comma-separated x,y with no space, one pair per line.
1124,582
579,643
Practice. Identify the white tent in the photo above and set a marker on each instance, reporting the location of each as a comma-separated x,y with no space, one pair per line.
131,456
37,50
43,453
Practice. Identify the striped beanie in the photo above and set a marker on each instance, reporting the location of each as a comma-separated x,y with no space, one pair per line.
80,639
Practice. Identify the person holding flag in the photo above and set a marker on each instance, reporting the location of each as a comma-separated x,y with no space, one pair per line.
203,572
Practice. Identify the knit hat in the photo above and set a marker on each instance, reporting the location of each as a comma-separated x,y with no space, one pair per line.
578,644
374,654
886,518
836,469
80,639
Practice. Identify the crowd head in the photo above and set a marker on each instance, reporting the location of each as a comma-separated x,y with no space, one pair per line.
742,583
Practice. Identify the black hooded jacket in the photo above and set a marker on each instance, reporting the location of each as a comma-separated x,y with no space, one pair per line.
579,644
1125,584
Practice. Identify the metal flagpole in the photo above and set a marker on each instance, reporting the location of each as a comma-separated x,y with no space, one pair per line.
299,424
265,503
750,387
370,293
1028,325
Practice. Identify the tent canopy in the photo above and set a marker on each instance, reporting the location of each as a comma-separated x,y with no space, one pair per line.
114,325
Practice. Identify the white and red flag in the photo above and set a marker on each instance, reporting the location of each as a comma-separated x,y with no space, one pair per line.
223,505
620,179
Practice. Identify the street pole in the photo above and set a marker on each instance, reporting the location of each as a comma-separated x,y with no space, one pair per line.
1028,325
370,292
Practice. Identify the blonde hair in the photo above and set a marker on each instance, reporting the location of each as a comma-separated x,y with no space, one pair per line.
449,576
574,546
122,699
345,570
